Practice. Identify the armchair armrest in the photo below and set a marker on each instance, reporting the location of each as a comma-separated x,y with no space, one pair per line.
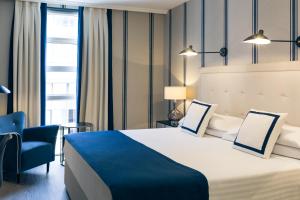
42,133
12,155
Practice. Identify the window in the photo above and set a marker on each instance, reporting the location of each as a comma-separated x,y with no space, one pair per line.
61,62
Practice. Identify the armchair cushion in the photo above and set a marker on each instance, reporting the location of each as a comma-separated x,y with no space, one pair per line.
36,153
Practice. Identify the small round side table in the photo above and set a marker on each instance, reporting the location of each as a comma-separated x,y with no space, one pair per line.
72,128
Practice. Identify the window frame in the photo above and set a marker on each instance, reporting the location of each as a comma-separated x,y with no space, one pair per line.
55,40
56,68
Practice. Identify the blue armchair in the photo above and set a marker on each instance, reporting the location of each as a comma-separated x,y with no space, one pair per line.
29,147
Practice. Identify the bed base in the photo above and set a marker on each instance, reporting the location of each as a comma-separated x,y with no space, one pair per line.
72,186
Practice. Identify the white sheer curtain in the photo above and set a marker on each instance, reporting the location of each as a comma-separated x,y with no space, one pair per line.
26,59
94,79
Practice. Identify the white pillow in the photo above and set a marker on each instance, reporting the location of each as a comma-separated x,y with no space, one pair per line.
222,134
290,136
230,136
225,122
213,132
259,133
180,122
197,117
286,151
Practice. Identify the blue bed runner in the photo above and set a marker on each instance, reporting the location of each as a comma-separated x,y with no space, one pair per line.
132,171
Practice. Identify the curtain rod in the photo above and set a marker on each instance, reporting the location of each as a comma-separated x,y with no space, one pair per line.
104,6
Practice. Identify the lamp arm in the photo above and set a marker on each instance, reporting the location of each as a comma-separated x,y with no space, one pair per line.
297,41
201,52
223,52
289,41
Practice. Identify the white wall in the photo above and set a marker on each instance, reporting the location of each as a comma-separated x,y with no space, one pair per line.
273,17
6,17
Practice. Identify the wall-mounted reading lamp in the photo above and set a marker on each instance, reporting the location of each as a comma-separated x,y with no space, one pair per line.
260,38
191,52
4,90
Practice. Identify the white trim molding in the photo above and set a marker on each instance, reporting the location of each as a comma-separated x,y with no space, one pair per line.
268,67
104,6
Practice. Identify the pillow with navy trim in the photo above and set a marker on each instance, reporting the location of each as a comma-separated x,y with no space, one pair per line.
197,117
259,132
180,122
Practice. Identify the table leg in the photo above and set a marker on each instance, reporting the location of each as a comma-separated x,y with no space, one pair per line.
62,155
61,145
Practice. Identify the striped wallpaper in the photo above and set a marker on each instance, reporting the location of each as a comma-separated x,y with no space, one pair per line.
209,25
138,69
146,46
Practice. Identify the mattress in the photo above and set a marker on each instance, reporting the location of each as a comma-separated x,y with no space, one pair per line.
231,174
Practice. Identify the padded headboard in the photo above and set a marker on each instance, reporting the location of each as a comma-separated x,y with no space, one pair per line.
270,87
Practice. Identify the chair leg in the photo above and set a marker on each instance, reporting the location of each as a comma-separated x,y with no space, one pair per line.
48,166
18,178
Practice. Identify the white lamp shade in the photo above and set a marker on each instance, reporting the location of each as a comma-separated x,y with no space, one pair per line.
175,93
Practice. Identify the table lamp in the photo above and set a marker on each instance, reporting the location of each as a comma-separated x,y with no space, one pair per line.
175,93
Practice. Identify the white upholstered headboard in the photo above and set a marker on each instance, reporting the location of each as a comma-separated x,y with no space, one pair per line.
271,87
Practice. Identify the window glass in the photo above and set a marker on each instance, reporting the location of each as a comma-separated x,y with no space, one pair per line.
61,61
62,25
61,55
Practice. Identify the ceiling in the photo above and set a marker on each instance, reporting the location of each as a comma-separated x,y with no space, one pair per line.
154,6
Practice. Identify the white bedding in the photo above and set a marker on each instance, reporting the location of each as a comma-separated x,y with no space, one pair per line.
231,174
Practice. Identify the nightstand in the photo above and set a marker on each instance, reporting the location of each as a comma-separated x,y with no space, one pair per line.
78,127
165,124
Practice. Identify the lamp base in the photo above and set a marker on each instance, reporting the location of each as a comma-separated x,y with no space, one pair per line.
175,115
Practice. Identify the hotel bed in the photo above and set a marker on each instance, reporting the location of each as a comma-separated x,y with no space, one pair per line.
230,173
